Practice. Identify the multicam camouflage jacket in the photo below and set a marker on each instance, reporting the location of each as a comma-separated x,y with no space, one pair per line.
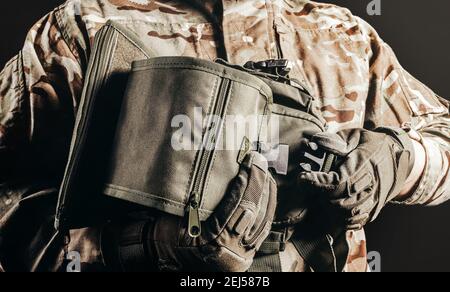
346,65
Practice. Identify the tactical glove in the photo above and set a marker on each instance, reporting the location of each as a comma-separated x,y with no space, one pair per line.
230,237
371,170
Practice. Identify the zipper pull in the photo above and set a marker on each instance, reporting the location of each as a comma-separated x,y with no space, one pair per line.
194,225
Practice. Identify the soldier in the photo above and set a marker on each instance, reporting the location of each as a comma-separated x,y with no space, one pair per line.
390,131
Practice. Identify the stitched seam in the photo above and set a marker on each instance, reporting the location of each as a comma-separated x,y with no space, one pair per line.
137,67
63,30
150,196
131,41
131,21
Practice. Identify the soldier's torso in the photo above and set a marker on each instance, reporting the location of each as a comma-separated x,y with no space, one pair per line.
329,53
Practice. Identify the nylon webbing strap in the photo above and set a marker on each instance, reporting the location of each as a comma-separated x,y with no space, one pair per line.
317,253
266,264
325,253
132,248
268,257
274,243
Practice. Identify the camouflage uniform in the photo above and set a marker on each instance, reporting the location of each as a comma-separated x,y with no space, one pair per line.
346,65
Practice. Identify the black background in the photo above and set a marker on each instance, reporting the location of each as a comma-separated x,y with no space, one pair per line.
408,238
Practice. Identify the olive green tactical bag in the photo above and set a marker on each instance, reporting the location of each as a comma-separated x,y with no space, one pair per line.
131,151
157,165
122,146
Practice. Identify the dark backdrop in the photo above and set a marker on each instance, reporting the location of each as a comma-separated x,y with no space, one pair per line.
408,238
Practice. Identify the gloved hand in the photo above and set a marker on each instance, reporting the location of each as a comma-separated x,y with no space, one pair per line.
371,170
230,237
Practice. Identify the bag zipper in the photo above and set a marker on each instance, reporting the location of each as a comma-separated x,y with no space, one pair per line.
102,51
206,156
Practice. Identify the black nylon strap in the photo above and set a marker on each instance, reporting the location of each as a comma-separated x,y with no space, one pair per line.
317,253
266,264
273,244
324,253
268,257
133,255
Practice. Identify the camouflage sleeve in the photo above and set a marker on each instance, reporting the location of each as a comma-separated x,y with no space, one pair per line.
398,99
39,91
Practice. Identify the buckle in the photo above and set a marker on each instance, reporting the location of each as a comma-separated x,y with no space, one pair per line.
280,67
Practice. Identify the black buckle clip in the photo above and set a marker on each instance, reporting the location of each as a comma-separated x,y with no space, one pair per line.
280,67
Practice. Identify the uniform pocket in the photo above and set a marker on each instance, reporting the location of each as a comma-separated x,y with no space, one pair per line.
332,64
